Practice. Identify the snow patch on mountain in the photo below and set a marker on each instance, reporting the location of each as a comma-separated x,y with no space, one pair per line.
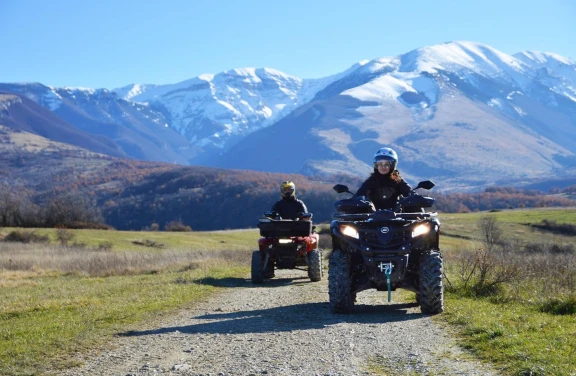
463,57
382,88
552,70
212,108
537,58
52,99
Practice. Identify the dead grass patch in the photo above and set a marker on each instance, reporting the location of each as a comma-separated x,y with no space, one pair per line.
27,258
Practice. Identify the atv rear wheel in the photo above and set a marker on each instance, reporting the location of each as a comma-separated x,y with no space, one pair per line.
269,270
314,259
339,282
431,287
256,268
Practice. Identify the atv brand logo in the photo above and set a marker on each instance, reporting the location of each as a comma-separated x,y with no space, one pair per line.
384,230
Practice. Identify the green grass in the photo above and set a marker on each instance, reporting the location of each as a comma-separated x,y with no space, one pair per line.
124,240
45,319
529,332
46,315
515,223
516,338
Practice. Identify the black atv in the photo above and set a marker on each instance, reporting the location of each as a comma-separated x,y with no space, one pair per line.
286,244
385,250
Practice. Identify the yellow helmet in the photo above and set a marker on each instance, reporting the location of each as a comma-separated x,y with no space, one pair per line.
287,188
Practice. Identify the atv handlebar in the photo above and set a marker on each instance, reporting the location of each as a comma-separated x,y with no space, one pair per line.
424,184
414,203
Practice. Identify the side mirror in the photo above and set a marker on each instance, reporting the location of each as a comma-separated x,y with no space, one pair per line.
426,184
341,188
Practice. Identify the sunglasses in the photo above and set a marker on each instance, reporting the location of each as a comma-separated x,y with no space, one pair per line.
382,164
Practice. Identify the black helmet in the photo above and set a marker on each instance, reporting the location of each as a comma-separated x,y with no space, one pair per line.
287,189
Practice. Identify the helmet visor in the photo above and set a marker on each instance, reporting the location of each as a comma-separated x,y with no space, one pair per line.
383,164
383,158
287,190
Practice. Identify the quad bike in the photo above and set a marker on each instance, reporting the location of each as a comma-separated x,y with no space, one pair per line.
385,250
286,244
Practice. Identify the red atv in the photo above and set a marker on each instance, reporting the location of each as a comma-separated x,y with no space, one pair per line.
286,244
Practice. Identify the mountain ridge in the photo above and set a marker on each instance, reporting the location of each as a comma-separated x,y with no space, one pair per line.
459,112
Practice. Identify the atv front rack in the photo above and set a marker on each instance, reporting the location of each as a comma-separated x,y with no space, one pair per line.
383,214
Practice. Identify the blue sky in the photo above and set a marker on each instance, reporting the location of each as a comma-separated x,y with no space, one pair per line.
112,43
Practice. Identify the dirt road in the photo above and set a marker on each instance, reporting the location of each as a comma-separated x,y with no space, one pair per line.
284,327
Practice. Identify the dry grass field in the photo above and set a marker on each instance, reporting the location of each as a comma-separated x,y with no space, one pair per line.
509,288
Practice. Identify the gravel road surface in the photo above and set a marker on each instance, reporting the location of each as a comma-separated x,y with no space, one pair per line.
284,327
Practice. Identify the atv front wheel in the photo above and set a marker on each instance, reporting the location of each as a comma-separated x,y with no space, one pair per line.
339,282
256,268
431,287
314,259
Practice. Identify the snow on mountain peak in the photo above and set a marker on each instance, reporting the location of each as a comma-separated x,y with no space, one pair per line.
476,57
543,58
379,64
555,71
210,108
206,77
137,89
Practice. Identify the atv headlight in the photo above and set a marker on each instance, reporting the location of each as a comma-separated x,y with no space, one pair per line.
284,241
421,230
349,231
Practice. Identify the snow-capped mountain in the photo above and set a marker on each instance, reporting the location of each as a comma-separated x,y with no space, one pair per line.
462,113
213,110
136,129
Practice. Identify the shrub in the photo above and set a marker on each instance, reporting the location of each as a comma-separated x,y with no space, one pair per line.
177,226
153,227
567,249
105,246
64,236
559,307
149,243
325,241
26,237
87,225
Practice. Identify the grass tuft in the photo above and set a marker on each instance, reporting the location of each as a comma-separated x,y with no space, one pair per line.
560,307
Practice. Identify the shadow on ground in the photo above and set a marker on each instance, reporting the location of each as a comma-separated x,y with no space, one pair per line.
243,282
287,318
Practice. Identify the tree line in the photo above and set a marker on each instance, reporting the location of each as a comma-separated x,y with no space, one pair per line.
211,199
65,209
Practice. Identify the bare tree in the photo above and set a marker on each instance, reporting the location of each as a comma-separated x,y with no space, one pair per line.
9,206
491,232
67,208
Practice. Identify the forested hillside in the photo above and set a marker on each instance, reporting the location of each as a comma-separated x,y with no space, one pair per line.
209,199
45,184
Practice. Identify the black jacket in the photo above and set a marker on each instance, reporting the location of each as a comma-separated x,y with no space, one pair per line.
289,208
383,191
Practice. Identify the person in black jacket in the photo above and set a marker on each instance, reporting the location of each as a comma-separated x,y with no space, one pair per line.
384,185
289,206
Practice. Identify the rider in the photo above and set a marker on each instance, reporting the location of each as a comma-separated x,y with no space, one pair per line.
289,206
384,185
